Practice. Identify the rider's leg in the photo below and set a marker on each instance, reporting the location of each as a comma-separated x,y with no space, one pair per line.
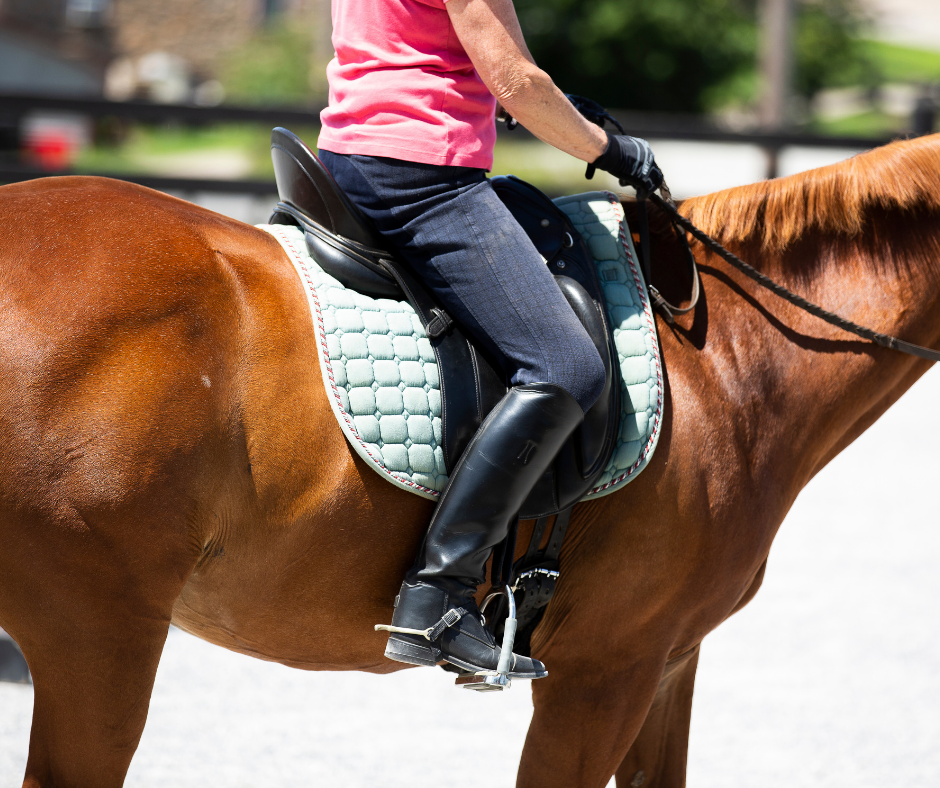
458,236
506,457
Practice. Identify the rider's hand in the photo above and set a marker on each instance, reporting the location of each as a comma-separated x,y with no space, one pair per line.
630,159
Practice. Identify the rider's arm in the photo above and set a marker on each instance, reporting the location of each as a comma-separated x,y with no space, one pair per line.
489,32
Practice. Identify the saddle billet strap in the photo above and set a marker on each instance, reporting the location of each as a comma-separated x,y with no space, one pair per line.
537,533
535,576
463,382
553,549
503,553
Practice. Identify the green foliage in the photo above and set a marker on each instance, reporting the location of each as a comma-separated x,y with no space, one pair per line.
829,50
895,63
189,151
871,123
684,55
273,67
662,55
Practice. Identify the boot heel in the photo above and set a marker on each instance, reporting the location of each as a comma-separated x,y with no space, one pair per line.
402,650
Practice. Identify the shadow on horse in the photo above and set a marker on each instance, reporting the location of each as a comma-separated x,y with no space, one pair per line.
168,455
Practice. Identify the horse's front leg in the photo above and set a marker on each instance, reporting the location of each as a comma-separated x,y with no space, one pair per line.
90,605
92,693
659,755
587,714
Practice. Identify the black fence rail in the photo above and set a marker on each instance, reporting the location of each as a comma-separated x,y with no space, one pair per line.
15,106
19,104
258,188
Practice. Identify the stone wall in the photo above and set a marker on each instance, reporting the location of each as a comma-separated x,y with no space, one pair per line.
197,30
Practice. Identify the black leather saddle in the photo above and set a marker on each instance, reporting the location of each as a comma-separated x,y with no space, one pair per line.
343,242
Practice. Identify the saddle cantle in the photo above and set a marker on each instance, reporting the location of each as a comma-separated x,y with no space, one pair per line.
342,241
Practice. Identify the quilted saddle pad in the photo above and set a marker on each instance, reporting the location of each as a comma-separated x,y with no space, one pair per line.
382,379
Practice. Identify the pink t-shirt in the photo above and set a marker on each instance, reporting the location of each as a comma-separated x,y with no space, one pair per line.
402,86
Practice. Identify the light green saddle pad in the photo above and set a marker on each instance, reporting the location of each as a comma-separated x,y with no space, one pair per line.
382,379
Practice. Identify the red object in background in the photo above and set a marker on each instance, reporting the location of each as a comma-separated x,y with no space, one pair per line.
51,149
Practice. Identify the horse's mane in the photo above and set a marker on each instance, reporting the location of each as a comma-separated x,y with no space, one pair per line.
837,199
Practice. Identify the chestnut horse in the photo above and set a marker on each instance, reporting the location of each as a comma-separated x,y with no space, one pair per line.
168,455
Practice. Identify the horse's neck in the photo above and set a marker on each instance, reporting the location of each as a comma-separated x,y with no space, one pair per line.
809,388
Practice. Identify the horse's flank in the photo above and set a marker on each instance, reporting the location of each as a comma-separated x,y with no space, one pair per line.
132,492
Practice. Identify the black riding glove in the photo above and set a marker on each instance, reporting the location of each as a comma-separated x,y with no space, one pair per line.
629,159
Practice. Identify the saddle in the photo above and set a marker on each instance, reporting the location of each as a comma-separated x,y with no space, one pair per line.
344,243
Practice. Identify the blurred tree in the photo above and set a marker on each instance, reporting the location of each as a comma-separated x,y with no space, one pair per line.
681,55
272,67
830,51
664,55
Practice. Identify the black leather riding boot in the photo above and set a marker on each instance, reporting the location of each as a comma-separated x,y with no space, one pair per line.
514,446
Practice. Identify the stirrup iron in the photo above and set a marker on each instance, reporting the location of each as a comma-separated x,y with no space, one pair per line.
499,680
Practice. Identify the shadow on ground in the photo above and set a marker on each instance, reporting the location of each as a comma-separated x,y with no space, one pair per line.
12,663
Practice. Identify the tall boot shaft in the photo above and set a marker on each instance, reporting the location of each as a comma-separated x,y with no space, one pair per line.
514,446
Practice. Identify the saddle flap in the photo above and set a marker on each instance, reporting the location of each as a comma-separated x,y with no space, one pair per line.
595,434
541,219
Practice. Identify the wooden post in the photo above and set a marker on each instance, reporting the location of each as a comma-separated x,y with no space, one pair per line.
776,61
772,152
925,115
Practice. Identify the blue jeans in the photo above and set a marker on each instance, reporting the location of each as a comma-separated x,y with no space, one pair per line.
448,224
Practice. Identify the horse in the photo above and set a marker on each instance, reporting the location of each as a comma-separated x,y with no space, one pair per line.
168,455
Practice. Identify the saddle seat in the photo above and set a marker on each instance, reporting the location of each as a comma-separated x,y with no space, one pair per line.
343,242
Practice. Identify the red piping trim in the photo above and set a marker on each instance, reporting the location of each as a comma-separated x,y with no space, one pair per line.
651,322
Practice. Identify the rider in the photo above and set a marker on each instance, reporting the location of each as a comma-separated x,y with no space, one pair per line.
409,136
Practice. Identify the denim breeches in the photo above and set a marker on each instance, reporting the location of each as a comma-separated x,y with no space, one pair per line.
454,232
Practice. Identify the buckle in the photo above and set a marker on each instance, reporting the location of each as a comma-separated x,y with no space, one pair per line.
450,618
439,324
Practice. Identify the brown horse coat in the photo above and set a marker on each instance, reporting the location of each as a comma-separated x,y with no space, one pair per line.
167,453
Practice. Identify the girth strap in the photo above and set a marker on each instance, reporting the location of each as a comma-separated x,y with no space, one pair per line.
535,576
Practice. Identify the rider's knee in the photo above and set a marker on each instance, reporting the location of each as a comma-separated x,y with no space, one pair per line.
582,374
594,377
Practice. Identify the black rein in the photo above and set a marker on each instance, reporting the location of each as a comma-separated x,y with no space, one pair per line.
882,340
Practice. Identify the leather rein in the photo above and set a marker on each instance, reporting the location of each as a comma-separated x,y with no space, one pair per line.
595,113
678,220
